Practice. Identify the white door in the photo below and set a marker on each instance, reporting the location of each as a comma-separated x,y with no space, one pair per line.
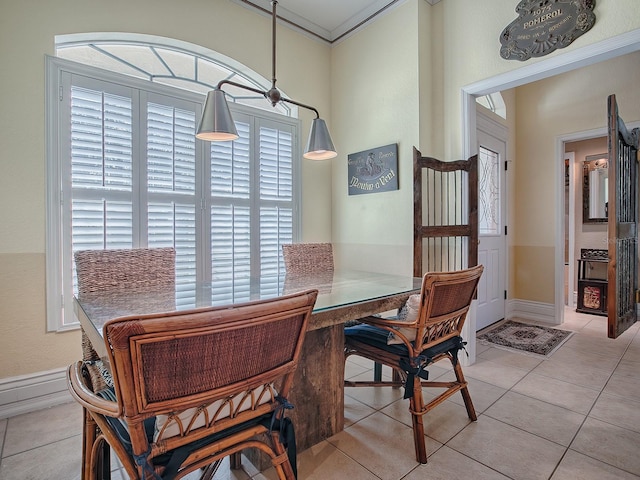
492,233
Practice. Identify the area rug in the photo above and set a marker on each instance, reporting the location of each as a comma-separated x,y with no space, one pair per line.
521,337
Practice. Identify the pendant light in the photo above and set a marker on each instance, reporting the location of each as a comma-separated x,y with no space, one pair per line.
217,123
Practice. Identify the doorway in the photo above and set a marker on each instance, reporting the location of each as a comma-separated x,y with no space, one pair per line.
579,233
606,50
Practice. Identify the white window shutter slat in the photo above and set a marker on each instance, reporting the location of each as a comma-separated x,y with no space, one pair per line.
138,179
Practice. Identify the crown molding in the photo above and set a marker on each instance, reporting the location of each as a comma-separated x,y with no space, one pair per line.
307,27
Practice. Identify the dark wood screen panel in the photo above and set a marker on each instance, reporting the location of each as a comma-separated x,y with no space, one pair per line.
622,272
445,214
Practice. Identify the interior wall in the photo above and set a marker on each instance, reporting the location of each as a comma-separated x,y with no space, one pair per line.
375,102
471,46
27,31
572,102
468,24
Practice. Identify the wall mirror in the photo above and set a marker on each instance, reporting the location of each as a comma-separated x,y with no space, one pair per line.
595,193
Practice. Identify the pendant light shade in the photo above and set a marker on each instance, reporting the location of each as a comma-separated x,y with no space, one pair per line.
216,123
320,146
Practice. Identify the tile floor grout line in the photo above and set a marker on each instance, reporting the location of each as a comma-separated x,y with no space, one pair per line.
4,442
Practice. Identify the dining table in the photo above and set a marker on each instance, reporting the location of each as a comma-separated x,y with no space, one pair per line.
318,387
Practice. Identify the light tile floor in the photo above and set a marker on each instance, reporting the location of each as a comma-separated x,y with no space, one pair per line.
573,415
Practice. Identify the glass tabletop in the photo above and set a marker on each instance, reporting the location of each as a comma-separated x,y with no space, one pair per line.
335,289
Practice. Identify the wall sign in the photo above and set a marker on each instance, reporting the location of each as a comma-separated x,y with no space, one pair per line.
545,25
374,170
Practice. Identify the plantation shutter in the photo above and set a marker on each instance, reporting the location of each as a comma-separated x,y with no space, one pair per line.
276,198
231,217
131,175
101,169
171,184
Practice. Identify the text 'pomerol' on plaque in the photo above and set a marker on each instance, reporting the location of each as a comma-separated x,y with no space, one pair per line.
374,170
545,25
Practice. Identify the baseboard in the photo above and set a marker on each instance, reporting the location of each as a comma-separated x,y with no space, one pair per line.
528,310
28,393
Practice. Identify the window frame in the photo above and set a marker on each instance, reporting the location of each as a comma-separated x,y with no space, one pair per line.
57,172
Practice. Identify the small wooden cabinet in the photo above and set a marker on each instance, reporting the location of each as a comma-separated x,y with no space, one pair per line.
592,281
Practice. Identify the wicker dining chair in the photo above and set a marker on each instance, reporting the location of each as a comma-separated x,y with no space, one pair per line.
409,346
115,271
193,387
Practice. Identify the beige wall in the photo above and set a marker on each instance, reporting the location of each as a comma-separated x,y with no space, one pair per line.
27,31
375,101
375,230
397,80
565,104
471,45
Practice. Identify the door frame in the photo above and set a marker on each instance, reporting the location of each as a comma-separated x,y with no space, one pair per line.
492,128
570,230
580,57
573,182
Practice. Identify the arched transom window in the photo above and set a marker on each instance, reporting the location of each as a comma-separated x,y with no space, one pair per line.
170,62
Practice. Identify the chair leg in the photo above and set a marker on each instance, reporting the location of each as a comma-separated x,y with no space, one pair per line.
377,372
100,467
416,405
283,469
235,460
471,411
88,437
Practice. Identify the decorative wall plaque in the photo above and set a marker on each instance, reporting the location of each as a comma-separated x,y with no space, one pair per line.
374,170
545,25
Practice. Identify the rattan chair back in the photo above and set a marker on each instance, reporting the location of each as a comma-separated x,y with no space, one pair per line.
119,270
445,300
201,373
108,272
308,258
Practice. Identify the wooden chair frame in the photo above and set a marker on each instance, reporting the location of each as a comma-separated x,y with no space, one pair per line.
445,299
189,368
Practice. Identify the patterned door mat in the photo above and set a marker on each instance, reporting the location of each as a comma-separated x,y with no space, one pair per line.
521,337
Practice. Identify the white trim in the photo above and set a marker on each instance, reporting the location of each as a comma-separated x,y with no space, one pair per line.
563,62
559,249
581,57
571,156
53,302
29,393
371,12
528,310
